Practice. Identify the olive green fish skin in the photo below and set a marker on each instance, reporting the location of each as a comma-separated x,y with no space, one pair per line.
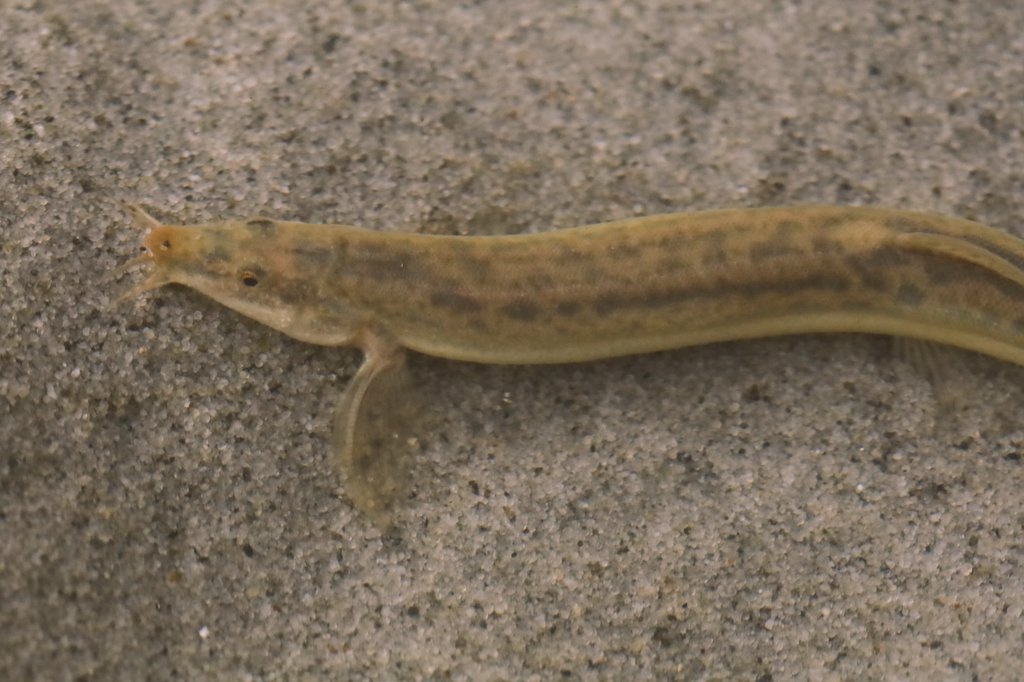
655,283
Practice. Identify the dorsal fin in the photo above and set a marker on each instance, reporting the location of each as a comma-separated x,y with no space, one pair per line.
961,249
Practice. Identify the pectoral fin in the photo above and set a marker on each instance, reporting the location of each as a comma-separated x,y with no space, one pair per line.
372,434
943,366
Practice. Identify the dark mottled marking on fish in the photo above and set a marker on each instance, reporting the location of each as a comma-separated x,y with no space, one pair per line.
778,245
659,298
262,227
378,262
837,220
910,294
874,270
218,255
786,229
476,267
541,282
524,311
298,290
712,249
567,308
624,251
455,302
824,246
565,254
670,265
767,250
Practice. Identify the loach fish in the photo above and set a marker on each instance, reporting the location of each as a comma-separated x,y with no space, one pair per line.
631,286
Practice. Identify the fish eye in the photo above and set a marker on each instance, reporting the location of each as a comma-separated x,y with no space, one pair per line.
249,278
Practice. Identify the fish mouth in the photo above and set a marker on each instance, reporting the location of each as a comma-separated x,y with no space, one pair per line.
156,278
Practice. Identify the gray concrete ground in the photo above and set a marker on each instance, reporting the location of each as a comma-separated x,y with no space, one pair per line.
770,510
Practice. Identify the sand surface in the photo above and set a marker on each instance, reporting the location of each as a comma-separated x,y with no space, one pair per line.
771,510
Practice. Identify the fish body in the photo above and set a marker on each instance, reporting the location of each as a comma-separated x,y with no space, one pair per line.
631,286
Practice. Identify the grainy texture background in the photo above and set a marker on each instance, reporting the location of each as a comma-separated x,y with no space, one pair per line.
770,510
